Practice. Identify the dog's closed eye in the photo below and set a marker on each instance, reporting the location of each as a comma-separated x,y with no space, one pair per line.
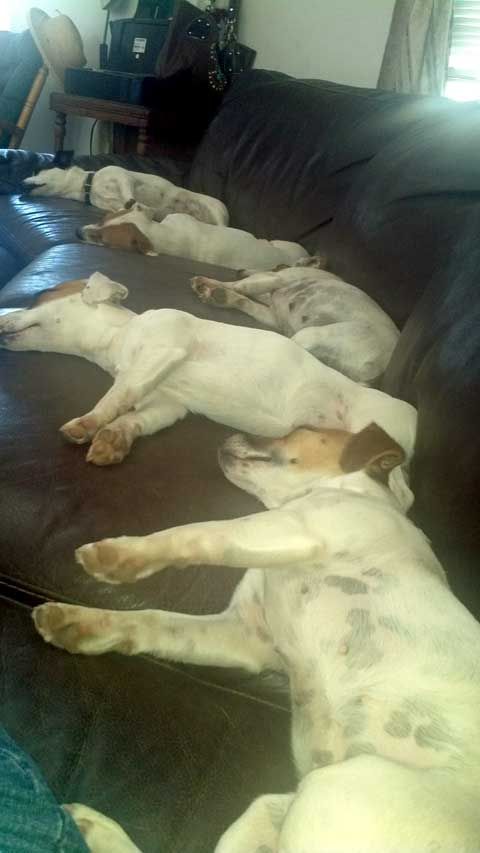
257,457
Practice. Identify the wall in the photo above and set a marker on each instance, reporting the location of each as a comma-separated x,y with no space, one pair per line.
340,40
90,20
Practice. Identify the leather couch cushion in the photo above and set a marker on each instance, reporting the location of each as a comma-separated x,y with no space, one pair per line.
174,760
8,265
28,227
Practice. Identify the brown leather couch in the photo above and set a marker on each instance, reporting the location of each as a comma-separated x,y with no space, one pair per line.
388,186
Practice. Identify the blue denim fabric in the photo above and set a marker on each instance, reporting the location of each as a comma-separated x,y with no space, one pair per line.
31,821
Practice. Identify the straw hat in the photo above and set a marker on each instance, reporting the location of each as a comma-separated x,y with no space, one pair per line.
58,41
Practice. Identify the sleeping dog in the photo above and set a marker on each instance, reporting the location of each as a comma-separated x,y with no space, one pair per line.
166,363
112,187
335,321
136,228
345,596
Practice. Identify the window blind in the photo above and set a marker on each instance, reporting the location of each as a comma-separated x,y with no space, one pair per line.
464,59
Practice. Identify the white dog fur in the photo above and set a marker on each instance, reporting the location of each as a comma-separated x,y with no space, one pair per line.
112,187
184,236
166,363
345,596
335,321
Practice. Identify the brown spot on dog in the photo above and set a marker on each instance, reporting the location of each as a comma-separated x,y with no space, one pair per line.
125,235
263,635
60,291
348,585
307,448
372,449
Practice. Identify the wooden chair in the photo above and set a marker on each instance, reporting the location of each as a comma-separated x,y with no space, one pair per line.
20,127
22,78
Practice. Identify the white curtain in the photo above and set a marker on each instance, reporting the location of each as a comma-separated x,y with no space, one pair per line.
416,54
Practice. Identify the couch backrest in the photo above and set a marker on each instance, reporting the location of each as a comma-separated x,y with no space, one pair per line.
409,208
282,152
437,367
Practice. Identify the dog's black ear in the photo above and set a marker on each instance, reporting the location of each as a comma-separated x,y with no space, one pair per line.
373,450
62,159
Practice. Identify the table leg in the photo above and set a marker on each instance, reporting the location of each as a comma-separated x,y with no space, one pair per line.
142,141
60,130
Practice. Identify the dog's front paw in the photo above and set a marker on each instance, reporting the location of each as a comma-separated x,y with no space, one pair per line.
210,291
80,630
109,447
102,834
80,430
114,561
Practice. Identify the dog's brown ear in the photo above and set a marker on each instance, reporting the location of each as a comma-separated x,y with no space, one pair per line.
126,235
373,450
139,242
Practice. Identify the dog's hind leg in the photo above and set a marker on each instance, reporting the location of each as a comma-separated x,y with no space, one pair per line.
258,829
255,285
222,639
221,296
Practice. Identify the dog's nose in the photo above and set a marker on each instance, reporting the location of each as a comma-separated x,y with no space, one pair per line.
79,233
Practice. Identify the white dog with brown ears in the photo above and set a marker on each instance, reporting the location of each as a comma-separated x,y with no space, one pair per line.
166,363
137,229
112,187
345,596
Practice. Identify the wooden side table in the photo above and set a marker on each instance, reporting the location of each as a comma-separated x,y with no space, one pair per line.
126,115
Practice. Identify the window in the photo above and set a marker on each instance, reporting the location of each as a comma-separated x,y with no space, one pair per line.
463,79
5,17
